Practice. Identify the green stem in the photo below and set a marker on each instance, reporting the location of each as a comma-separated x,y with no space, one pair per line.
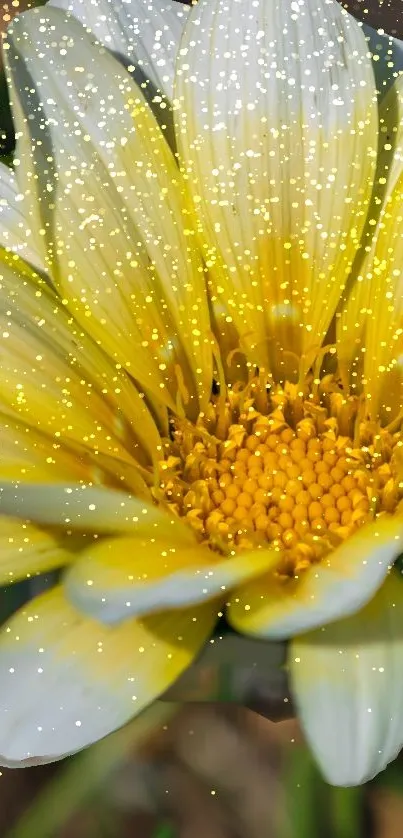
303,788
346,812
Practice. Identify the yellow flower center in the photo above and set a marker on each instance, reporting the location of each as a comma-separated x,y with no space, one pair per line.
299,471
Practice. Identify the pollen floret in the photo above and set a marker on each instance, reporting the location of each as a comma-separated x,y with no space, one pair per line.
301,475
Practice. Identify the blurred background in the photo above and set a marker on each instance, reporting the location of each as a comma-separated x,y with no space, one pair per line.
199,764
196,771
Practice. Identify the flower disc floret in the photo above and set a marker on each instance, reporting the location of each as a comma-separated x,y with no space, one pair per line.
301,474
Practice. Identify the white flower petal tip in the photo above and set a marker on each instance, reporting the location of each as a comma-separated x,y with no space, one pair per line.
347,682
340,585
68,681
32,762
125,577
145,33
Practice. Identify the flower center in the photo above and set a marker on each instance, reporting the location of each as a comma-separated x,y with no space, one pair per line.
297,471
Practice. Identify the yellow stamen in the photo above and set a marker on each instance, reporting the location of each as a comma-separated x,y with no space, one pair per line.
300,486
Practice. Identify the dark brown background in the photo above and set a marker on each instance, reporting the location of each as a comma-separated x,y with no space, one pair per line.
381,14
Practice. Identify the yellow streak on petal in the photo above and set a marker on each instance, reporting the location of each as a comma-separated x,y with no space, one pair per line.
279,150
26,550
370,315
30,456
124,255
339,585
68,680
117,578
56,379
90,509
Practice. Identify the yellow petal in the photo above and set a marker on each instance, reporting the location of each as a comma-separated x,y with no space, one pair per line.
132,576
383,359
123,252
26,550
340,585
95,509
371,310
55,378
347,682
278,138
31,456
67,681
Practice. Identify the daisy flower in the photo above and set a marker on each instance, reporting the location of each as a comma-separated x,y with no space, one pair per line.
201,392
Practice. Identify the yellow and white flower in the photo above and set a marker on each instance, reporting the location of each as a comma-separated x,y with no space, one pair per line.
201,390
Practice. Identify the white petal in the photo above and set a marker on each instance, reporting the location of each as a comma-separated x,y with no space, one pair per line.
67,681
120,246
138,575
145,32
15,233
347,681
278,137
343,582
